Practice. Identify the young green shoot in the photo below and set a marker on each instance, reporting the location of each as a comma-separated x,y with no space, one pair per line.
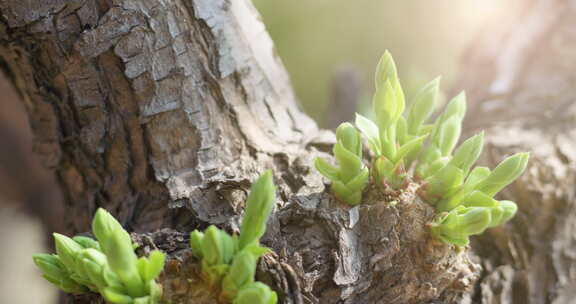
229,262
350,178
107,265
405,146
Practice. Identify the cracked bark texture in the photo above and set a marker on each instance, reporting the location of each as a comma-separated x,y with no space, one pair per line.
163,112
522,79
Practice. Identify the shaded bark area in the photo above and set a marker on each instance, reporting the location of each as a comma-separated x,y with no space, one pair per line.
163,112
24,183
522,80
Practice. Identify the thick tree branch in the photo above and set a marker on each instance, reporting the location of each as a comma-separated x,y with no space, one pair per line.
522,80
163,112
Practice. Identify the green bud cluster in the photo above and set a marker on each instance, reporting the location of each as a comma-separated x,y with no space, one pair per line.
393,138
351,177
407,142
228,261
108,266
467,202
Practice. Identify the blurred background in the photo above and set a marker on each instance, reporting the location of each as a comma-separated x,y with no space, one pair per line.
328,44
330,48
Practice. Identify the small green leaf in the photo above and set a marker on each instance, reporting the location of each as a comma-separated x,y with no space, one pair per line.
449,135
259,205
411,146
256,249
123,262
240,274
384,168
94,264
112,280
427,158
402,131
467,154
117,298
496,215
456,107
475,220
477,175
86,242
142,300
214,247
67,250
426,129
509,210
460,223
444,183
104,225
51,267
351,193
343,193
504,174
479,199
327,170
196,243
358,183
423,106
67,285
386,106
350,138
389,141
256,293
386,70
400,99
117,245
350,164
142,264
370,130
155,265
437,165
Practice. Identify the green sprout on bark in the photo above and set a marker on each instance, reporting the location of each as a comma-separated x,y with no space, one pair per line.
468,205
107,265
405,145
229,261
351,177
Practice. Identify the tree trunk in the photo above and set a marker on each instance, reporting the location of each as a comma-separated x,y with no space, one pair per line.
163,112
521,76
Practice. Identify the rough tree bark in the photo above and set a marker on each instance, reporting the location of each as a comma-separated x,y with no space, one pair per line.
522,79
163,112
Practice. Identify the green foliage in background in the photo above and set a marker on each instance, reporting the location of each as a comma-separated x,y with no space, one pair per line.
107,265
228,261
404,142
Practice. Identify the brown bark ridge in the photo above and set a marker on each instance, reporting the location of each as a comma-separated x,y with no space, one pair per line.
522,78
163,112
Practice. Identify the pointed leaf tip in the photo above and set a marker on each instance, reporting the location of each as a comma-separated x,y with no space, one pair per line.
104,224
259,205
370,130
468,153
386,70
423,106
504,174
347,134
